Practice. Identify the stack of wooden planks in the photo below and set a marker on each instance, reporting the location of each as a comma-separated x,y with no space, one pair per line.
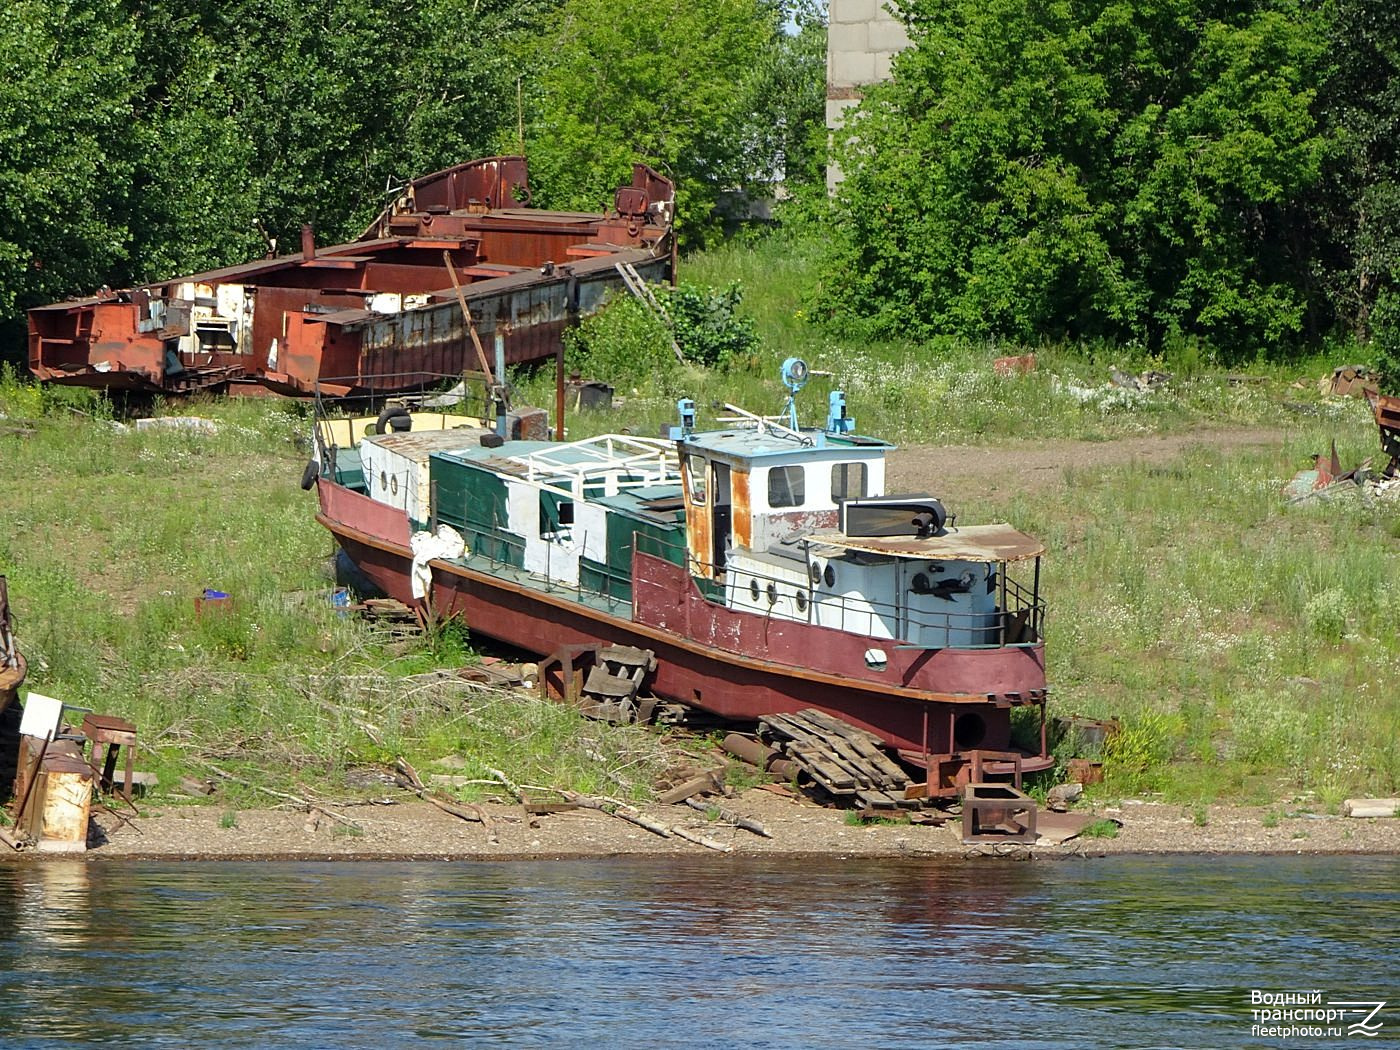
844,760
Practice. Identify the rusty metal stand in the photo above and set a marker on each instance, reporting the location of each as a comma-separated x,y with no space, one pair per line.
997,813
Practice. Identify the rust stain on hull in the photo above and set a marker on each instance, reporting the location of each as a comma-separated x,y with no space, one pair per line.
375,314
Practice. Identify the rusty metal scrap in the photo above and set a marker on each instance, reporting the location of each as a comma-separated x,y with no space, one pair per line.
376,314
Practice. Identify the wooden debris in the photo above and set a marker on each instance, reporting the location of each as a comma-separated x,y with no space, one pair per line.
701,840
620,810
408,778
296,800
730,817
191,786
506,782
632,815
844,760
704,784
780,789
535,807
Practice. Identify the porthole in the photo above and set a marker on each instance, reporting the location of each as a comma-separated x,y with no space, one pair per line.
815,571
830,576
753,589
876,660
802,601
968,731
383,481
772,594
394,484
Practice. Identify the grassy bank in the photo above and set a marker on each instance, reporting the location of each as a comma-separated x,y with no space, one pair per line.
108,535
1249,649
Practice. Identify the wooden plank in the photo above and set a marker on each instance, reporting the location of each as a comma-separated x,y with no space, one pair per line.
865,744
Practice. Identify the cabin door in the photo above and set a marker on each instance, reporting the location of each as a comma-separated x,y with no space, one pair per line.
722,530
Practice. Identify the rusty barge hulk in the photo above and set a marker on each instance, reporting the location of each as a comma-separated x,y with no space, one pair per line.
386,305
755,572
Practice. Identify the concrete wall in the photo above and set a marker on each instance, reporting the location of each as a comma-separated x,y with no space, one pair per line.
862,39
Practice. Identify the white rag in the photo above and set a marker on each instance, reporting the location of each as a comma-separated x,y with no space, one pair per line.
447,542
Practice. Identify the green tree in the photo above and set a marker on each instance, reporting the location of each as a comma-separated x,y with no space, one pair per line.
611,84
787,108
1086,168
1360,209
66,76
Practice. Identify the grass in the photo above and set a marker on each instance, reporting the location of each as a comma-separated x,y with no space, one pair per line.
1100,829
1248,648
857,819
924,392
108,535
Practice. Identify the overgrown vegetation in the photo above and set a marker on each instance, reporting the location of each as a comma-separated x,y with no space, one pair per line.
905,389
628,343
1160,173
1248,649
108,536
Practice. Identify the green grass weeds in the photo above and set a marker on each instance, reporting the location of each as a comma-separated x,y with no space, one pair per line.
1249,648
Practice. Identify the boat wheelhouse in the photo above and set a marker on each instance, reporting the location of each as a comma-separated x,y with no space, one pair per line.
760,562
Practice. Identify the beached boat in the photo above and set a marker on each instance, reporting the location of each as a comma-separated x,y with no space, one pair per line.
12,667
389,305
758,568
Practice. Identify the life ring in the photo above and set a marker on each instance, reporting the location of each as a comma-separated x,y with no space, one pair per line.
395,417
310,474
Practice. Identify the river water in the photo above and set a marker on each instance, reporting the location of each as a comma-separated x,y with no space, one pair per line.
990,953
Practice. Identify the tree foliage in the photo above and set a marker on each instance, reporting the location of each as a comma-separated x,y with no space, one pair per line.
1361,102
612,84
1089,168
67,75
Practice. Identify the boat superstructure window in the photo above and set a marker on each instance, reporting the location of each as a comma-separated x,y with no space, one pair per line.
848,481
556,516
695,475
787,487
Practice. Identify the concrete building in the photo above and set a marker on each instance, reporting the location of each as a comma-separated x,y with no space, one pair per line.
862,38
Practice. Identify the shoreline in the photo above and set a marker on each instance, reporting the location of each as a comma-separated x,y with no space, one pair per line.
416,832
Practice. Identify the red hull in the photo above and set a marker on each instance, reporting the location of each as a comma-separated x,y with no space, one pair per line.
738,665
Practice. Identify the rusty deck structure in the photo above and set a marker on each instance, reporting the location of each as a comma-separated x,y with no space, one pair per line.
384,306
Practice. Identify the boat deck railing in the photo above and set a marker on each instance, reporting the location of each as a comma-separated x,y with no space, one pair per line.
1016,619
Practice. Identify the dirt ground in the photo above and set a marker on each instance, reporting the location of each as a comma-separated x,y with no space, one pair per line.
404,828
414,830
958,474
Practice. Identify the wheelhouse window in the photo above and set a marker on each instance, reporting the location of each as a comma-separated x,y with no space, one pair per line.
695,475
787,487
848,481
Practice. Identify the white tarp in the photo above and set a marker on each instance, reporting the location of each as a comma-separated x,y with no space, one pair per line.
446,542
